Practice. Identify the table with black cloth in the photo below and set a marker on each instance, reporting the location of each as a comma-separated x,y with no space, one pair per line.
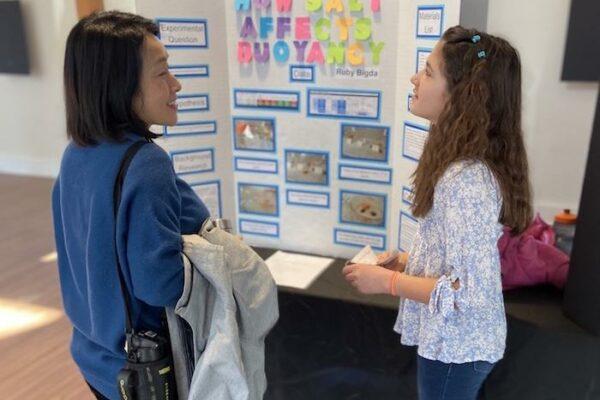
333,343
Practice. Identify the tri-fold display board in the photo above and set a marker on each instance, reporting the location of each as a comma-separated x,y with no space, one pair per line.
294,114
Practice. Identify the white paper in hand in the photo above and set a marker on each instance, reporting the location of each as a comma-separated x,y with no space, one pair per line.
365,256
296,270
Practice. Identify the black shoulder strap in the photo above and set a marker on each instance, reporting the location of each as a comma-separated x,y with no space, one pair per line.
117,191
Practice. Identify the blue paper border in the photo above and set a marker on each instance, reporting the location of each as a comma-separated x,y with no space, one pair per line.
218,182
197,150
430,7
420,50
200,21
288,202
406,189
184,123
192,95
412,125
311,67
335,241
239,185
342,191
190,66
387,143
341,165
297,93
272,119
274,161
327,161
369,92
400,228
276,224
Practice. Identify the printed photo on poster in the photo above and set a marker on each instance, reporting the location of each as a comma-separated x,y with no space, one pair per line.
364,142
266,99
343,103
254,134
258,199
362,208
307,167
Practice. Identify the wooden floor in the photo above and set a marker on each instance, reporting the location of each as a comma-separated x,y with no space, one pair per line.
34,363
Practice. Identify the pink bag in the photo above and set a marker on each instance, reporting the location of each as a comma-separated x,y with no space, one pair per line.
531,258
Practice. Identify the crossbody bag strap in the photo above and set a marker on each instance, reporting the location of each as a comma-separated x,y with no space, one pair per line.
117,192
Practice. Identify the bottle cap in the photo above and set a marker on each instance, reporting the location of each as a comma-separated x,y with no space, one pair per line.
565,217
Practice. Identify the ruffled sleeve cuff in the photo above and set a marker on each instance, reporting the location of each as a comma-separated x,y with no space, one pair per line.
443,296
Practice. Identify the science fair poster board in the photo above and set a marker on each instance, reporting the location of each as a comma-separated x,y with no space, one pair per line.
430,20
200,145
294,115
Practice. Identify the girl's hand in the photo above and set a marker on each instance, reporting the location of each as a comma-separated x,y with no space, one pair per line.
397,264
368,279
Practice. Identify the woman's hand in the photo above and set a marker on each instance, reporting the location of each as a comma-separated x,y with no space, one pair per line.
397,264
368,279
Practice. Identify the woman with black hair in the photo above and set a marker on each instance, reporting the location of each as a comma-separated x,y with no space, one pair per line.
117,84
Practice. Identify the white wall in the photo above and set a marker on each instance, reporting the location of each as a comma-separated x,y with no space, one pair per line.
121,5
32,122
557,116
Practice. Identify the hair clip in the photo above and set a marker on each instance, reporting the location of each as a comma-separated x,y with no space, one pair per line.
481,54
476,38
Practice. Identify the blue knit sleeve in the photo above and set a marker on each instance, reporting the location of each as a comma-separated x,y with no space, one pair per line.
193,210
151,228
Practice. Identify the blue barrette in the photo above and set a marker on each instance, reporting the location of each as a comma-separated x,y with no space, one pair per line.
481,54
476,38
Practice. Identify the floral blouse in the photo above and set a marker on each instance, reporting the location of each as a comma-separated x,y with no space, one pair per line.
457,240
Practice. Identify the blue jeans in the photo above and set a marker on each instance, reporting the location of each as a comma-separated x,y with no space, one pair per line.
440,381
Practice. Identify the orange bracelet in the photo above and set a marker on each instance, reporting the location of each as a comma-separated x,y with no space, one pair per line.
393,280
398,277
396,280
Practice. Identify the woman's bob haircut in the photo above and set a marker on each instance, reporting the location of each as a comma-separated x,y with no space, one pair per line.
103,63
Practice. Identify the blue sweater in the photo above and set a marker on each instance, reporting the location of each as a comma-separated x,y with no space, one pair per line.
156,209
